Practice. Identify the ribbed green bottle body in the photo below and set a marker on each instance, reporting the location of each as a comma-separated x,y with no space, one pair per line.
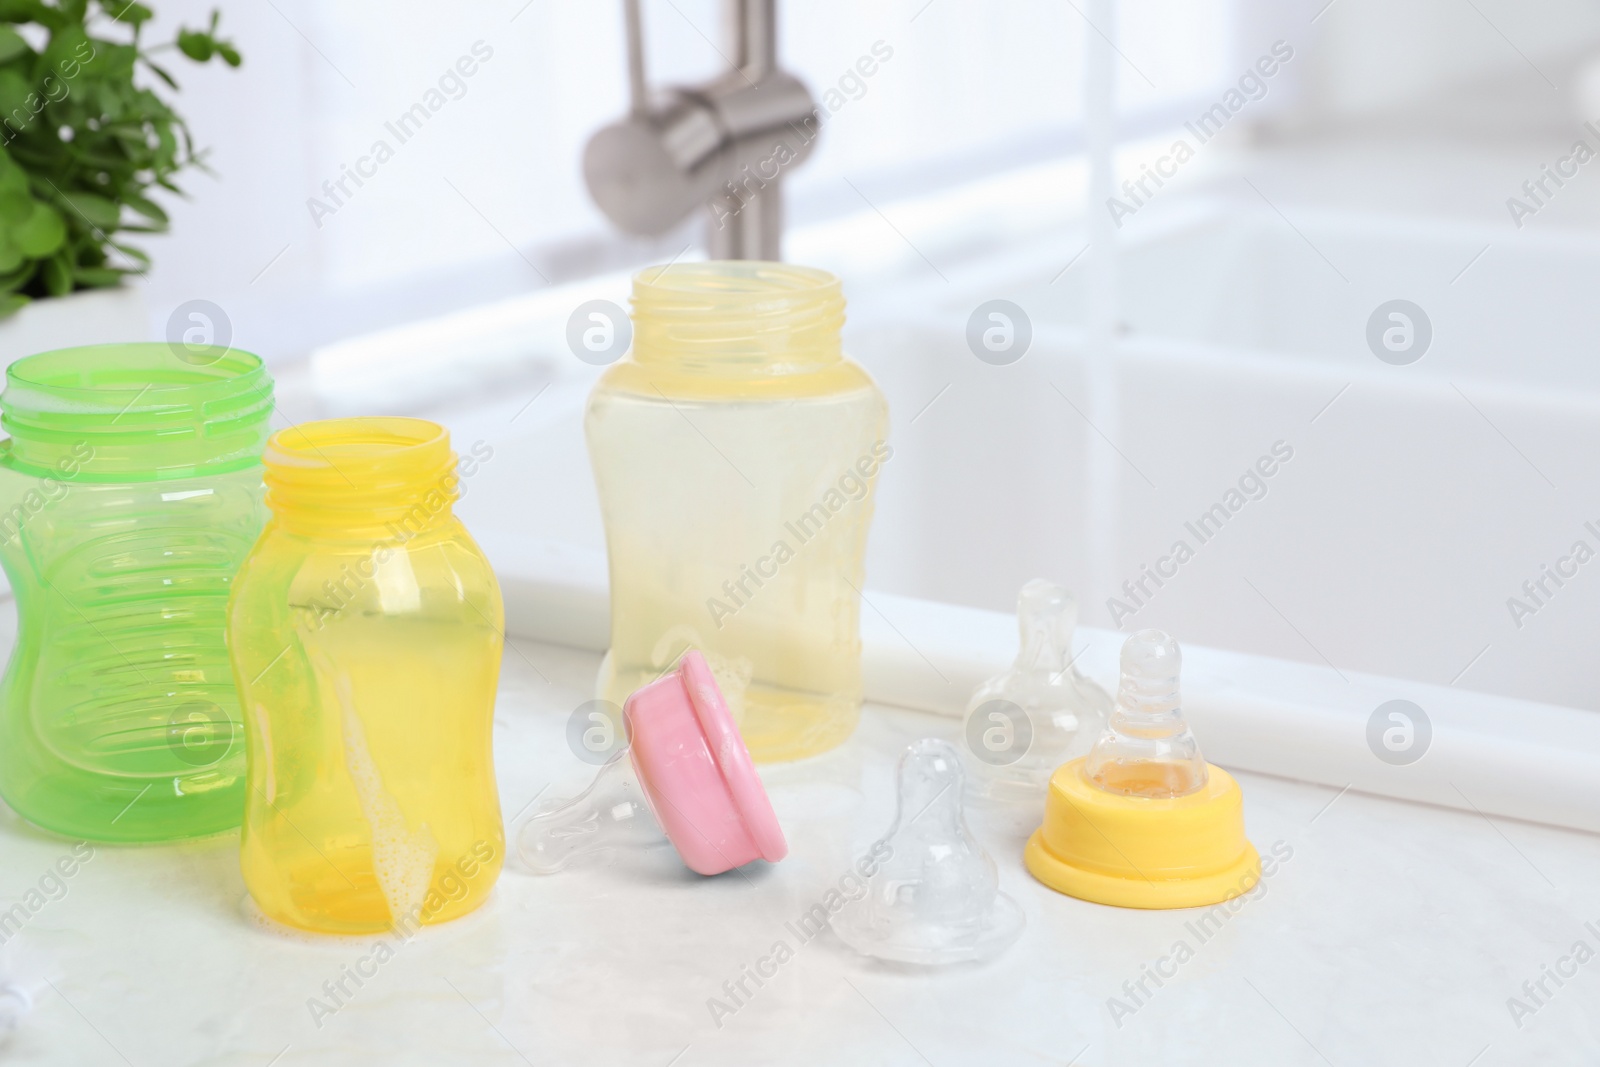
130,493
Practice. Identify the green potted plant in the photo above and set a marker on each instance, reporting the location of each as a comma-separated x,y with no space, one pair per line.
86,138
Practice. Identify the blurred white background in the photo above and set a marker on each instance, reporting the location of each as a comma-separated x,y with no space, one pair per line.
970,90
1378,165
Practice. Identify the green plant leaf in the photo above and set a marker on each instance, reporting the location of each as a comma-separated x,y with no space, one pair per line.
63,202
196,45
41,233
201,45
16,279
166,144
98,277
65,43
31,11
124,11
108,102
115,61
13,179
11,44
11,303
148,208
11,256
97,211
161,73
135,254
15,208
56,273
14,90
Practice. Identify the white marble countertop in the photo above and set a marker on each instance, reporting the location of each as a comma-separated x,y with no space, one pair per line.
1394,933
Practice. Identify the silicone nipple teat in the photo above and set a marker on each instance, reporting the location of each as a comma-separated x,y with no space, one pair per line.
609,815
1148,750
1143,821
15,1003
1023,724
934,897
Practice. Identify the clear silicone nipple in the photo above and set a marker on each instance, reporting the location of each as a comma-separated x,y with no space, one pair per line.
1148,750
1023,724
934,896
15,1003
609,816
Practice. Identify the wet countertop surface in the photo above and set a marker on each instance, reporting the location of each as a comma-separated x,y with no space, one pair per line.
1387,932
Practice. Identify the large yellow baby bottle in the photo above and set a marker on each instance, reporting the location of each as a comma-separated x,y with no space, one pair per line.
365,631
737,452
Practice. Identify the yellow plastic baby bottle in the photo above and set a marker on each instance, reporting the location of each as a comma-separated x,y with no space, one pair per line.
365,630
737,451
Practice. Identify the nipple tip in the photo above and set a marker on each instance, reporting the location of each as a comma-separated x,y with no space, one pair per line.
930,772
609,816
1043,595
15,1003
932,895
1151,654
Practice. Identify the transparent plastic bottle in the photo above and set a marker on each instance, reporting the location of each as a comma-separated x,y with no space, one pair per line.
737,451
1148,751
366,632
130,491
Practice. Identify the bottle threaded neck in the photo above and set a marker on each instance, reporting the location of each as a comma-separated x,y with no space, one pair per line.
139,412
737,316
388,478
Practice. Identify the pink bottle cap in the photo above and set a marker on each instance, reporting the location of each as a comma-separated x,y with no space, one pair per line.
697,774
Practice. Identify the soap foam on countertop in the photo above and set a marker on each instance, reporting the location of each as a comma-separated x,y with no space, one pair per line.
257,919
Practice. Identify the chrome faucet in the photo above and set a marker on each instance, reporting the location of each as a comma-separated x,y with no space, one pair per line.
724,146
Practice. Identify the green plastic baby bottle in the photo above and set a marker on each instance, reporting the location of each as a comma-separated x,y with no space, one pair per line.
130,492
736,451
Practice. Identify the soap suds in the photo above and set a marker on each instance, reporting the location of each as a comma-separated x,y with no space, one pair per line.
402,859
732,673
733,676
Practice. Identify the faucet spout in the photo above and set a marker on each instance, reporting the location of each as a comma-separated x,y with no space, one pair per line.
723,147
